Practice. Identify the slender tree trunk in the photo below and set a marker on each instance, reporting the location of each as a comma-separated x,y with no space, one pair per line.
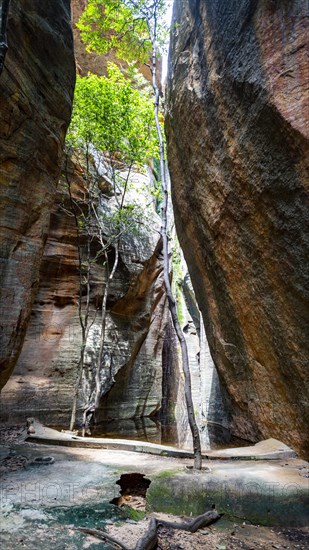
4,10
85,332
80,369
171,300
83,321
93,392
109,279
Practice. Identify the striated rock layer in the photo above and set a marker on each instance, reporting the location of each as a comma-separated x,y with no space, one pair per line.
36,89
237,129
42,384
40,290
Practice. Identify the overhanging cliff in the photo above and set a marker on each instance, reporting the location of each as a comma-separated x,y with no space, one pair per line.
237,130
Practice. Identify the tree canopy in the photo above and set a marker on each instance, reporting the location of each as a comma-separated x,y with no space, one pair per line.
127,26
114,117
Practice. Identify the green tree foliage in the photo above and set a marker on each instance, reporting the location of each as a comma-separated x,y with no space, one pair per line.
113,117
123,25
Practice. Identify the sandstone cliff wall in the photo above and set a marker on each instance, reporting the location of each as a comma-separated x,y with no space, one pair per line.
42,384
237,129
36,89
40,290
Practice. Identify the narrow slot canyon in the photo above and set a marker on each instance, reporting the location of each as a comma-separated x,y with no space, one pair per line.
154,274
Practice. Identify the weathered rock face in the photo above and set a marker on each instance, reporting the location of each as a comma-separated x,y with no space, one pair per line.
86,61
36,111
43,381
237,128
210,409
36,89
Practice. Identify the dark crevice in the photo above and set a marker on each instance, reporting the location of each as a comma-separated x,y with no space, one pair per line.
131,486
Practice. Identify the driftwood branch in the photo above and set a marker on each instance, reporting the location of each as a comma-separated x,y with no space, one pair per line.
149,540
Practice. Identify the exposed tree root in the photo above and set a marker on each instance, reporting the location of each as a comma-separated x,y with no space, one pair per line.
149,541
194,524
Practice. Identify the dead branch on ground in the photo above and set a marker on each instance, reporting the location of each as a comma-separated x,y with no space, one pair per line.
149,540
